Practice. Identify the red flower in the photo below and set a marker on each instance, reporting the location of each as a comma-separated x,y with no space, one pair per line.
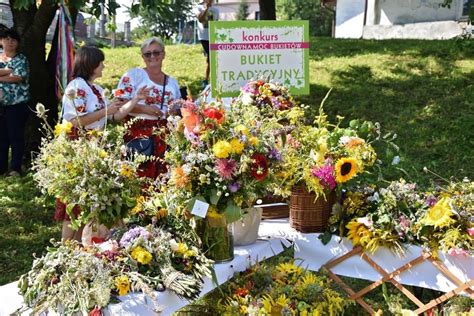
214,114
81,93
242,292
125,79
259,168
128,89
97,240
96,312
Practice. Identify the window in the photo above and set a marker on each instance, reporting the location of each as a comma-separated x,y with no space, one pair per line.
467,6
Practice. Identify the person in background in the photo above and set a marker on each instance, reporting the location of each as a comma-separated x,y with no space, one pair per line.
84,105
14,97
152,112
205,12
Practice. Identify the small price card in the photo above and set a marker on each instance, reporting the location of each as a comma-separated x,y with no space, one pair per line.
200,208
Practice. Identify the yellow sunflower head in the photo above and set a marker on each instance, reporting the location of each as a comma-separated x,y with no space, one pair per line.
440,214
358,233
346,169
122,284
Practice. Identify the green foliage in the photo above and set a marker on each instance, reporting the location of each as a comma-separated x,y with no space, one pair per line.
26,222
243,11
320,18
162,20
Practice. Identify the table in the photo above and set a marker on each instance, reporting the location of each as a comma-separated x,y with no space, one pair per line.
168,302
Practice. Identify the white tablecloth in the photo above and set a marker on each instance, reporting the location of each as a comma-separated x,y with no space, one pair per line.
138,304
314,255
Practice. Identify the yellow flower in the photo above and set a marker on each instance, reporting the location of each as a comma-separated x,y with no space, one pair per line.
161,213
222,149
122,284
295,114
346,169
253,141
440,214
103,154
358,233
63,128
237,146
309,279
286,268
182,248
242,129
141,255
139,206
126,171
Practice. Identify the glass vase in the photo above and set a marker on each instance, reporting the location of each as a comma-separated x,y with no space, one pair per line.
216,237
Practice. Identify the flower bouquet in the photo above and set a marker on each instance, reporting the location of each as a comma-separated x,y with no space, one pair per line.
319,158
400,213
284,289
221,161
71,278
268,96
447,224
87,169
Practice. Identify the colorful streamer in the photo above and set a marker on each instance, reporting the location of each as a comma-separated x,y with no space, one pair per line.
65,50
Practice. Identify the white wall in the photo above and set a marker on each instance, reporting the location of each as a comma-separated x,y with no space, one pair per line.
349,18
396,12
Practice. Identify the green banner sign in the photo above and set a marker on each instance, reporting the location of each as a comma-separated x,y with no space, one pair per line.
244,50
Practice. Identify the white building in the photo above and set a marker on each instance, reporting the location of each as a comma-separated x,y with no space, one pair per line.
228,9
418,19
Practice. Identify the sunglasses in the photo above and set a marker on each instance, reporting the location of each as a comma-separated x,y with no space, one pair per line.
154,53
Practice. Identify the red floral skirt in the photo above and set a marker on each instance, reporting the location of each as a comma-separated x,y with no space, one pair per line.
60,213
143,128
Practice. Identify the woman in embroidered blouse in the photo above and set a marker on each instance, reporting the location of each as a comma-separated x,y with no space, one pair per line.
83,103
151,112
84,106
14,97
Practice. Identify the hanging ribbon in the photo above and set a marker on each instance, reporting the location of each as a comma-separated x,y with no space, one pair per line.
65,50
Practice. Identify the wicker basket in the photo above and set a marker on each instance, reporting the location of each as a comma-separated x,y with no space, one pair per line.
308,215
274,207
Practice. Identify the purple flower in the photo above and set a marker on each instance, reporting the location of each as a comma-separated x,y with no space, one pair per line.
431,200
234,187
274,154
133,234
325,174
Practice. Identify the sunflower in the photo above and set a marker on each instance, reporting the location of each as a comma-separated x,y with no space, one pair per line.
439,215
122,284
358,233
346,169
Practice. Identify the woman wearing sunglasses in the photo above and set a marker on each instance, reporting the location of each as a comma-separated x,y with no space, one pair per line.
150,114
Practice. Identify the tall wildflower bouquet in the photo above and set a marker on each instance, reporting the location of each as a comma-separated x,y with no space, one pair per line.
323,155
88,169
225,159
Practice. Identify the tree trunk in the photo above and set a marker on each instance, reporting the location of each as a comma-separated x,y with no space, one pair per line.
33,24
267,9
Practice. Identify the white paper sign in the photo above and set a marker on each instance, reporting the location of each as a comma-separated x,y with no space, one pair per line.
200,208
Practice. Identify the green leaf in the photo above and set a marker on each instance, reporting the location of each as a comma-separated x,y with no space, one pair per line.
214,197
325,237
232,212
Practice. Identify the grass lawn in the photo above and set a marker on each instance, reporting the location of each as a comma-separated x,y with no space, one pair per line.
421,90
